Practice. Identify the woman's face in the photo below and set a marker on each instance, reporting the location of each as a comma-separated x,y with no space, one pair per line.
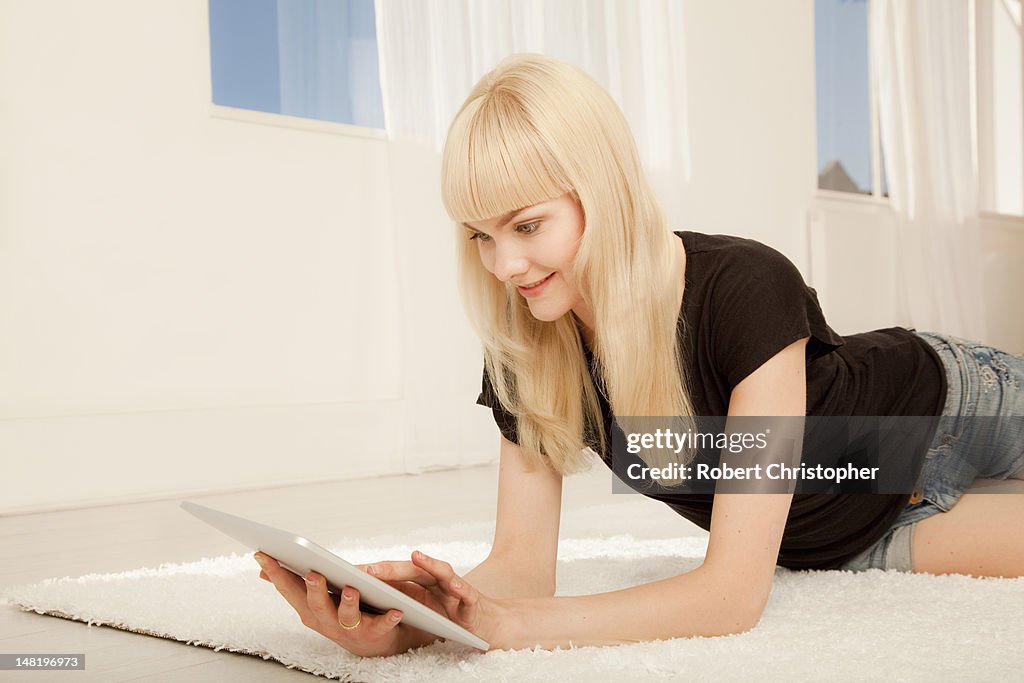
534,249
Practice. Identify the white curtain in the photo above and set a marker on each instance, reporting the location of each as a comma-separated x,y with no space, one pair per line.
431,53
921,53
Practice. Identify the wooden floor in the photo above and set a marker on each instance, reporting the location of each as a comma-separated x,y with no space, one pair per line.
121,537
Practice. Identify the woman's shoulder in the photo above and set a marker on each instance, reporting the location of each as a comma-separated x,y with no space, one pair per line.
733,250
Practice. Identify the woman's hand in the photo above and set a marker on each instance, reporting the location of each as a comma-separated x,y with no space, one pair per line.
366,635
426,580
488,618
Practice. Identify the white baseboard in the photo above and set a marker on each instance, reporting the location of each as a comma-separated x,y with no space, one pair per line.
75,461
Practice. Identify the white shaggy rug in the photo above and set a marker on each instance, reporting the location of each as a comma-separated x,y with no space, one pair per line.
835,626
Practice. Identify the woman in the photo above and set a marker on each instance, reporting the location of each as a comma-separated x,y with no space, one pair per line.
589,306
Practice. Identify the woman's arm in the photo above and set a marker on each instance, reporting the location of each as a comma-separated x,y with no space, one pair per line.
524,552
725,595
526,529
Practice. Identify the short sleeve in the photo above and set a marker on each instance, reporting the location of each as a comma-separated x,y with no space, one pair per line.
506,421
761,305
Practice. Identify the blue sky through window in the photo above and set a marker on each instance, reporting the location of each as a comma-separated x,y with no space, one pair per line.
310,58
843,94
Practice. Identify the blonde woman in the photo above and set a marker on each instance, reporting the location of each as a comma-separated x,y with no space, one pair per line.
589,306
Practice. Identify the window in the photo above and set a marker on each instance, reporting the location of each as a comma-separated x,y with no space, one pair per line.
850,155
314,59
845,141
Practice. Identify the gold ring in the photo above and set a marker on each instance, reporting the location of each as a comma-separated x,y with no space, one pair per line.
355,625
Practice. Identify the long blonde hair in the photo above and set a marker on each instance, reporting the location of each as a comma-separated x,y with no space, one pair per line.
531,130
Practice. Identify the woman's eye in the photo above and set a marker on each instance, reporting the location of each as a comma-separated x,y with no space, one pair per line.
528,228
479,236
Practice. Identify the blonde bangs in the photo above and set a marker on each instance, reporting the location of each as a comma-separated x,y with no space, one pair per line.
494,162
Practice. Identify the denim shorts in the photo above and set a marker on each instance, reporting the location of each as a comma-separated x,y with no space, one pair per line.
984,383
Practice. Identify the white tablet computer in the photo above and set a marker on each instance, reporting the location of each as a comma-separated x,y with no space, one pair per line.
300,556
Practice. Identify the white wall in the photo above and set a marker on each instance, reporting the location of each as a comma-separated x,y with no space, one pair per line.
176,309
176,314
854,269
750,77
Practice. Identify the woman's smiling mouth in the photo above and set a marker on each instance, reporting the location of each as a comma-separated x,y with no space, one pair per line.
535,288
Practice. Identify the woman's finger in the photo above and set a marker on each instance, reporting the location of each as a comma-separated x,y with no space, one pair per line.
413,590
467,593
440,570
352,622
347,615
346,621
399,570
403,575
291,587
319,600
381,624
459,598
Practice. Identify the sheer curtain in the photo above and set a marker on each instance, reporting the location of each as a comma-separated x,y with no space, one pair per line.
431,54
921,53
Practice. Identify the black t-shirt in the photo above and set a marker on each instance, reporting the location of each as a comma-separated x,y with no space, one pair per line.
742,304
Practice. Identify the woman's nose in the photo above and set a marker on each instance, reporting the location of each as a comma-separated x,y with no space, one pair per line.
509,263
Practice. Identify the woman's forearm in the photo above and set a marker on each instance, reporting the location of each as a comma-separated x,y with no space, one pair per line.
693,604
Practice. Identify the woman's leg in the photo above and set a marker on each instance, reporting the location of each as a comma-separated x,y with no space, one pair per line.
968,517
979,532
982,535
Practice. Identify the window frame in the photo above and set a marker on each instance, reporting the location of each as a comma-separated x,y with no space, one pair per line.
219,111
